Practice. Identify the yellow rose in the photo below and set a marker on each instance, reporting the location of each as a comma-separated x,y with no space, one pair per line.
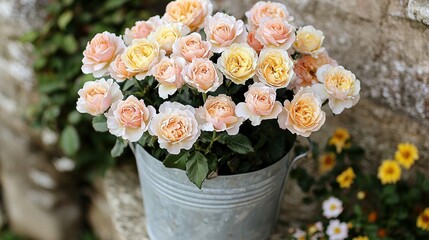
192,13
167,34
275,68
309,41
141,56
238,62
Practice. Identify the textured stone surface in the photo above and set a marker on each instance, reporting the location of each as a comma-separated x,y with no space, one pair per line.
419,10
40,202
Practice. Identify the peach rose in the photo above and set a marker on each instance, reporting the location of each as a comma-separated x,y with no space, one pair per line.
191,13
238,62
141,56
100,52
268,9
253,42
167,34
129,118
142,29
309,40
202,75
275,68
303,115
338,85
260,104
96,96
118,71
218,114
274,32
168,72
306,67
222,30
192,46
175,126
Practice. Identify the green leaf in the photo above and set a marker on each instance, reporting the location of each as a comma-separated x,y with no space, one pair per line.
119,147
99,123
74,117
111,4
69,44
237,143
69,140
212,162
29,36
64,19
197,168
176,160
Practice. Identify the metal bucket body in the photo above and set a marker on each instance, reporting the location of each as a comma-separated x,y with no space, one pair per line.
243,206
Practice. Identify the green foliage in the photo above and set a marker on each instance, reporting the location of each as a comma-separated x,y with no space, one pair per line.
58,48
375,210
197,168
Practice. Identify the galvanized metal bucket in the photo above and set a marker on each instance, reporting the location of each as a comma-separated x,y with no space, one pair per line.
242,206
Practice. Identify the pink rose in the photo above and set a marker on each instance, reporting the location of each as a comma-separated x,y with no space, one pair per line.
118,70
191,13
270,10
306,67
192,46
175,126
260,104
129,118
253,42
223,30
168,72
218,114
274,32
303,115
96,96
142,29
100,52
202,75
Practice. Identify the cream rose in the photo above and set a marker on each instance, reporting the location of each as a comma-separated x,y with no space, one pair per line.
275,68
168,72
167,34
202,75
141,56
218,114
253,42
338,85
306,67
192,46
260,104
96,96
100,52
238,62
223,30
118,70
303,115
129,118
191,13
309,40
142,29
175,126
266,10
274,32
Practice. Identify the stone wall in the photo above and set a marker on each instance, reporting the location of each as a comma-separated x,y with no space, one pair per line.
39,192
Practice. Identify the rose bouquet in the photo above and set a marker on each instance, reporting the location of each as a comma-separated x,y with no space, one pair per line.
210,94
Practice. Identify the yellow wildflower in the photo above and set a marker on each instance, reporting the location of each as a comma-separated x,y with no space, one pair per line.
345,179
339,139
361,238
389,172
423,220
406,154
326,162
361,195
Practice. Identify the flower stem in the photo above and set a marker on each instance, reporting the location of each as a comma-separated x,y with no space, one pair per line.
211,142
204,97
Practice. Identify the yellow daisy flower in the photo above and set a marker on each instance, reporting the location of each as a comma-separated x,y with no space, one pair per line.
389,172
361,195
423,220
326,162
361,238
345,179
406,154
339,139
